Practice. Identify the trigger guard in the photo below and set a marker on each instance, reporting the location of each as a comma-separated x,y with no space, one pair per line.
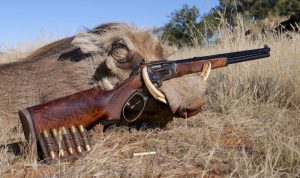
138,113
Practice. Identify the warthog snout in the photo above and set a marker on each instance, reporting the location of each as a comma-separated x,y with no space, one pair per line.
185,94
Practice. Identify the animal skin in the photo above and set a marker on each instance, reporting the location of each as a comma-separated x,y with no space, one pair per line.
103,56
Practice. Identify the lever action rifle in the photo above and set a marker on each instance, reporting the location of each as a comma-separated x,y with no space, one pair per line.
56,129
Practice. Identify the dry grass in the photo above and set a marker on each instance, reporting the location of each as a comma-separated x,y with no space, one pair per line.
250,126
13,53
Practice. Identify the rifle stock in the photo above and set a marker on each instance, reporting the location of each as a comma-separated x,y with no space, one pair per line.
72,113
83,108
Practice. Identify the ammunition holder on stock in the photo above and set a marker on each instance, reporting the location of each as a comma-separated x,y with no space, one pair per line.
55,144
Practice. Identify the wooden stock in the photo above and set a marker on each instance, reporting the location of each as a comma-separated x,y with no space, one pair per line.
83,108
196,66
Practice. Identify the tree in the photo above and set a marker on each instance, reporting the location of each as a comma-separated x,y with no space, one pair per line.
181,28
188,28
287,7
260,9
263,12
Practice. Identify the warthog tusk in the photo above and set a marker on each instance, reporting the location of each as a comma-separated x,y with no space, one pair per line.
158,95
206,71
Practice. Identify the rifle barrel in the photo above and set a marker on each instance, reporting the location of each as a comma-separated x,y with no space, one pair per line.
234,57
247,58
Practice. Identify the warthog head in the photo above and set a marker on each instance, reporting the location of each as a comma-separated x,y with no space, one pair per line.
103,56
125,47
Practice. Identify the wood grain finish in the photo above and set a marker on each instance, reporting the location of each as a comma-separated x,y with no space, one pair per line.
193,67
84,108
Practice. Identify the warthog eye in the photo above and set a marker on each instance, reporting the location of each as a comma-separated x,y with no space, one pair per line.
124,57
119,52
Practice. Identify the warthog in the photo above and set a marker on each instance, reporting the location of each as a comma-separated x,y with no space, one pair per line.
103,56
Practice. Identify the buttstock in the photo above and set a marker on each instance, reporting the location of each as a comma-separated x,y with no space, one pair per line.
81,109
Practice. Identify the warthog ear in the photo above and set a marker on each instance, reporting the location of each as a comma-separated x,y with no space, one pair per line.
87,42
168,50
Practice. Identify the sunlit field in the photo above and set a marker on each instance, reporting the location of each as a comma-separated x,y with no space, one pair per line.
249,127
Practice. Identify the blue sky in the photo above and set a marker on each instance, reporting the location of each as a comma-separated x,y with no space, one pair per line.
29,19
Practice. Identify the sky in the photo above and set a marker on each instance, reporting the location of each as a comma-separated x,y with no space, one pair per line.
29,20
